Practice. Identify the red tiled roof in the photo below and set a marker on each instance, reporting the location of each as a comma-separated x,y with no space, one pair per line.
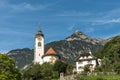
50,51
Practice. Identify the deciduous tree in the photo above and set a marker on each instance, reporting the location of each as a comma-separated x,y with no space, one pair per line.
8,70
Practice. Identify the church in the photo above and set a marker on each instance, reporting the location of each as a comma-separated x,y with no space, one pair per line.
40,56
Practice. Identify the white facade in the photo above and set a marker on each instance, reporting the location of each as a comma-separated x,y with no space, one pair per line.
39,48
39,56
86,59
50,59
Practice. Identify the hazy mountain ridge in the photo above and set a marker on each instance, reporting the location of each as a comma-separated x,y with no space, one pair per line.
69,49
22,57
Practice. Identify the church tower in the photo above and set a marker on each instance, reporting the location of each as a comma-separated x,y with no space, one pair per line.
39,47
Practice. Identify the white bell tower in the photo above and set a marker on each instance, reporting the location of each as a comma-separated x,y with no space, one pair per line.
39,47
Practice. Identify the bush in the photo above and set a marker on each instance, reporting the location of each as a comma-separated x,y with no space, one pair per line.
81,78
38,72
117,68
99,78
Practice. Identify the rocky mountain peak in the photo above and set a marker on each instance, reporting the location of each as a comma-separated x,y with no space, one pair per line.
78,32
77,35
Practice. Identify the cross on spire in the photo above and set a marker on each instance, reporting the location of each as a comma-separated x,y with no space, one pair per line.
39,27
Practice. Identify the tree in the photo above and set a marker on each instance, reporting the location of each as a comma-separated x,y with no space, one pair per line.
33,73
110,55
86,68
98,68
38,72
8,70
69,69
117,68
48,72
60,66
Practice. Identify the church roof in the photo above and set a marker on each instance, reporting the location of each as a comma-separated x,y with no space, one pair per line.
50,51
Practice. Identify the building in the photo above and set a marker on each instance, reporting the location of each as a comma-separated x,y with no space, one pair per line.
39,47
86,58
50,56
39,55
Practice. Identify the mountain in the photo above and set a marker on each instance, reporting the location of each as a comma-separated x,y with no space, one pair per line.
22,57
77,35
69,49
73,45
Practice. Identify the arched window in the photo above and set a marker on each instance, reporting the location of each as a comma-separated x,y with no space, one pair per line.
39,43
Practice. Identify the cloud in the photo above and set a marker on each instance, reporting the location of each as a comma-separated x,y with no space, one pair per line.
3,50
7,45
3,4
23,6
74,13
28,6
71,27
93,18
108,17
89,30
115,13
104,21
110,35
7,31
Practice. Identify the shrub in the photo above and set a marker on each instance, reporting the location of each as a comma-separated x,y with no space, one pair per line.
99,78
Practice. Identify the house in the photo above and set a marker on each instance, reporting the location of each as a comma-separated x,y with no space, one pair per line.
86,58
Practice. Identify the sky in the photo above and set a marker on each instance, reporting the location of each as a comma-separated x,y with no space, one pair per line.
21,19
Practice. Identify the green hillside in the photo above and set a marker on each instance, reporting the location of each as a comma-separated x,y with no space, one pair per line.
110,54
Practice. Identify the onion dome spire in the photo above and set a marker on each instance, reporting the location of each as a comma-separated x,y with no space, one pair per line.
39,33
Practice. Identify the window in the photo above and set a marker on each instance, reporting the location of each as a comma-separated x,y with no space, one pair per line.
80,62
39,43
80,67
89,62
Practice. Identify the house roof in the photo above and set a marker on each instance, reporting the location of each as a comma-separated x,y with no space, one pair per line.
86,54
86,59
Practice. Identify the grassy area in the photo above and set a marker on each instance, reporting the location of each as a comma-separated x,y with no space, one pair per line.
101,77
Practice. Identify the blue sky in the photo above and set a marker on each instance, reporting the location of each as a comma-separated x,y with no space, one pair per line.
20,20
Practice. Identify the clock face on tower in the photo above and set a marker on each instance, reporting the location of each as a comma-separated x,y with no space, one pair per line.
39,38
